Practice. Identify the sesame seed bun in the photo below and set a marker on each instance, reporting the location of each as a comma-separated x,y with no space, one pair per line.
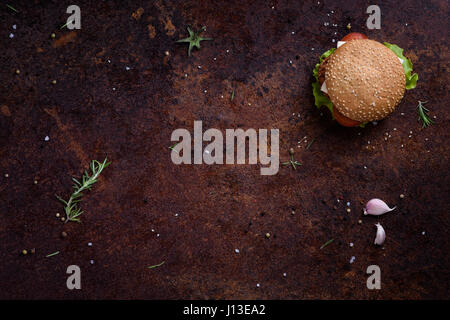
365,80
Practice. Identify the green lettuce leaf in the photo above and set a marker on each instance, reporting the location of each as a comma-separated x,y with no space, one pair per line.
411,80
319,98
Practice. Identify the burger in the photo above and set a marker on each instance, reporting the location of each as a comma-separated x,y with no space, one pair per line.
362,80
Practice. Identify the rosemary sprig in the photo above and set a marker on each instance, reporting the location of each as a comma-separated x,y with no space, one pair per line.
52,254
172,147
156,265
292,162
71,208
326,243
194,39
12,8
423,114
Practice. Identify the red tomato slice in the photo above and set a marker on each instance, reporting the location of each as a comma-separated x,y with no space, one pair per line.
354,36
343,120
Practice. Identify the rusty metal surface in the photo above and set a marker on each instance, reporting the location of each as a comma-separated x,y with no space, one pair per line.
266,56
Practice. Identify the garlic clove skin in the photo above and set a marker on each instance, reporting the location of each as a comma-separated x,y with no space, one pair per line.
381,235
377,207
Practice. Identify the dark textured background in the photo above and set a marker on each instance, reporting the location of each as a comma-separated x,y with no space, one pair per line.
220,207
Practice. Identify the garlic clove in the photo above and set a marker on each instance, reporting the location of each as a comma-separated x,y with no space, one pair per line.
381,235
377,207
